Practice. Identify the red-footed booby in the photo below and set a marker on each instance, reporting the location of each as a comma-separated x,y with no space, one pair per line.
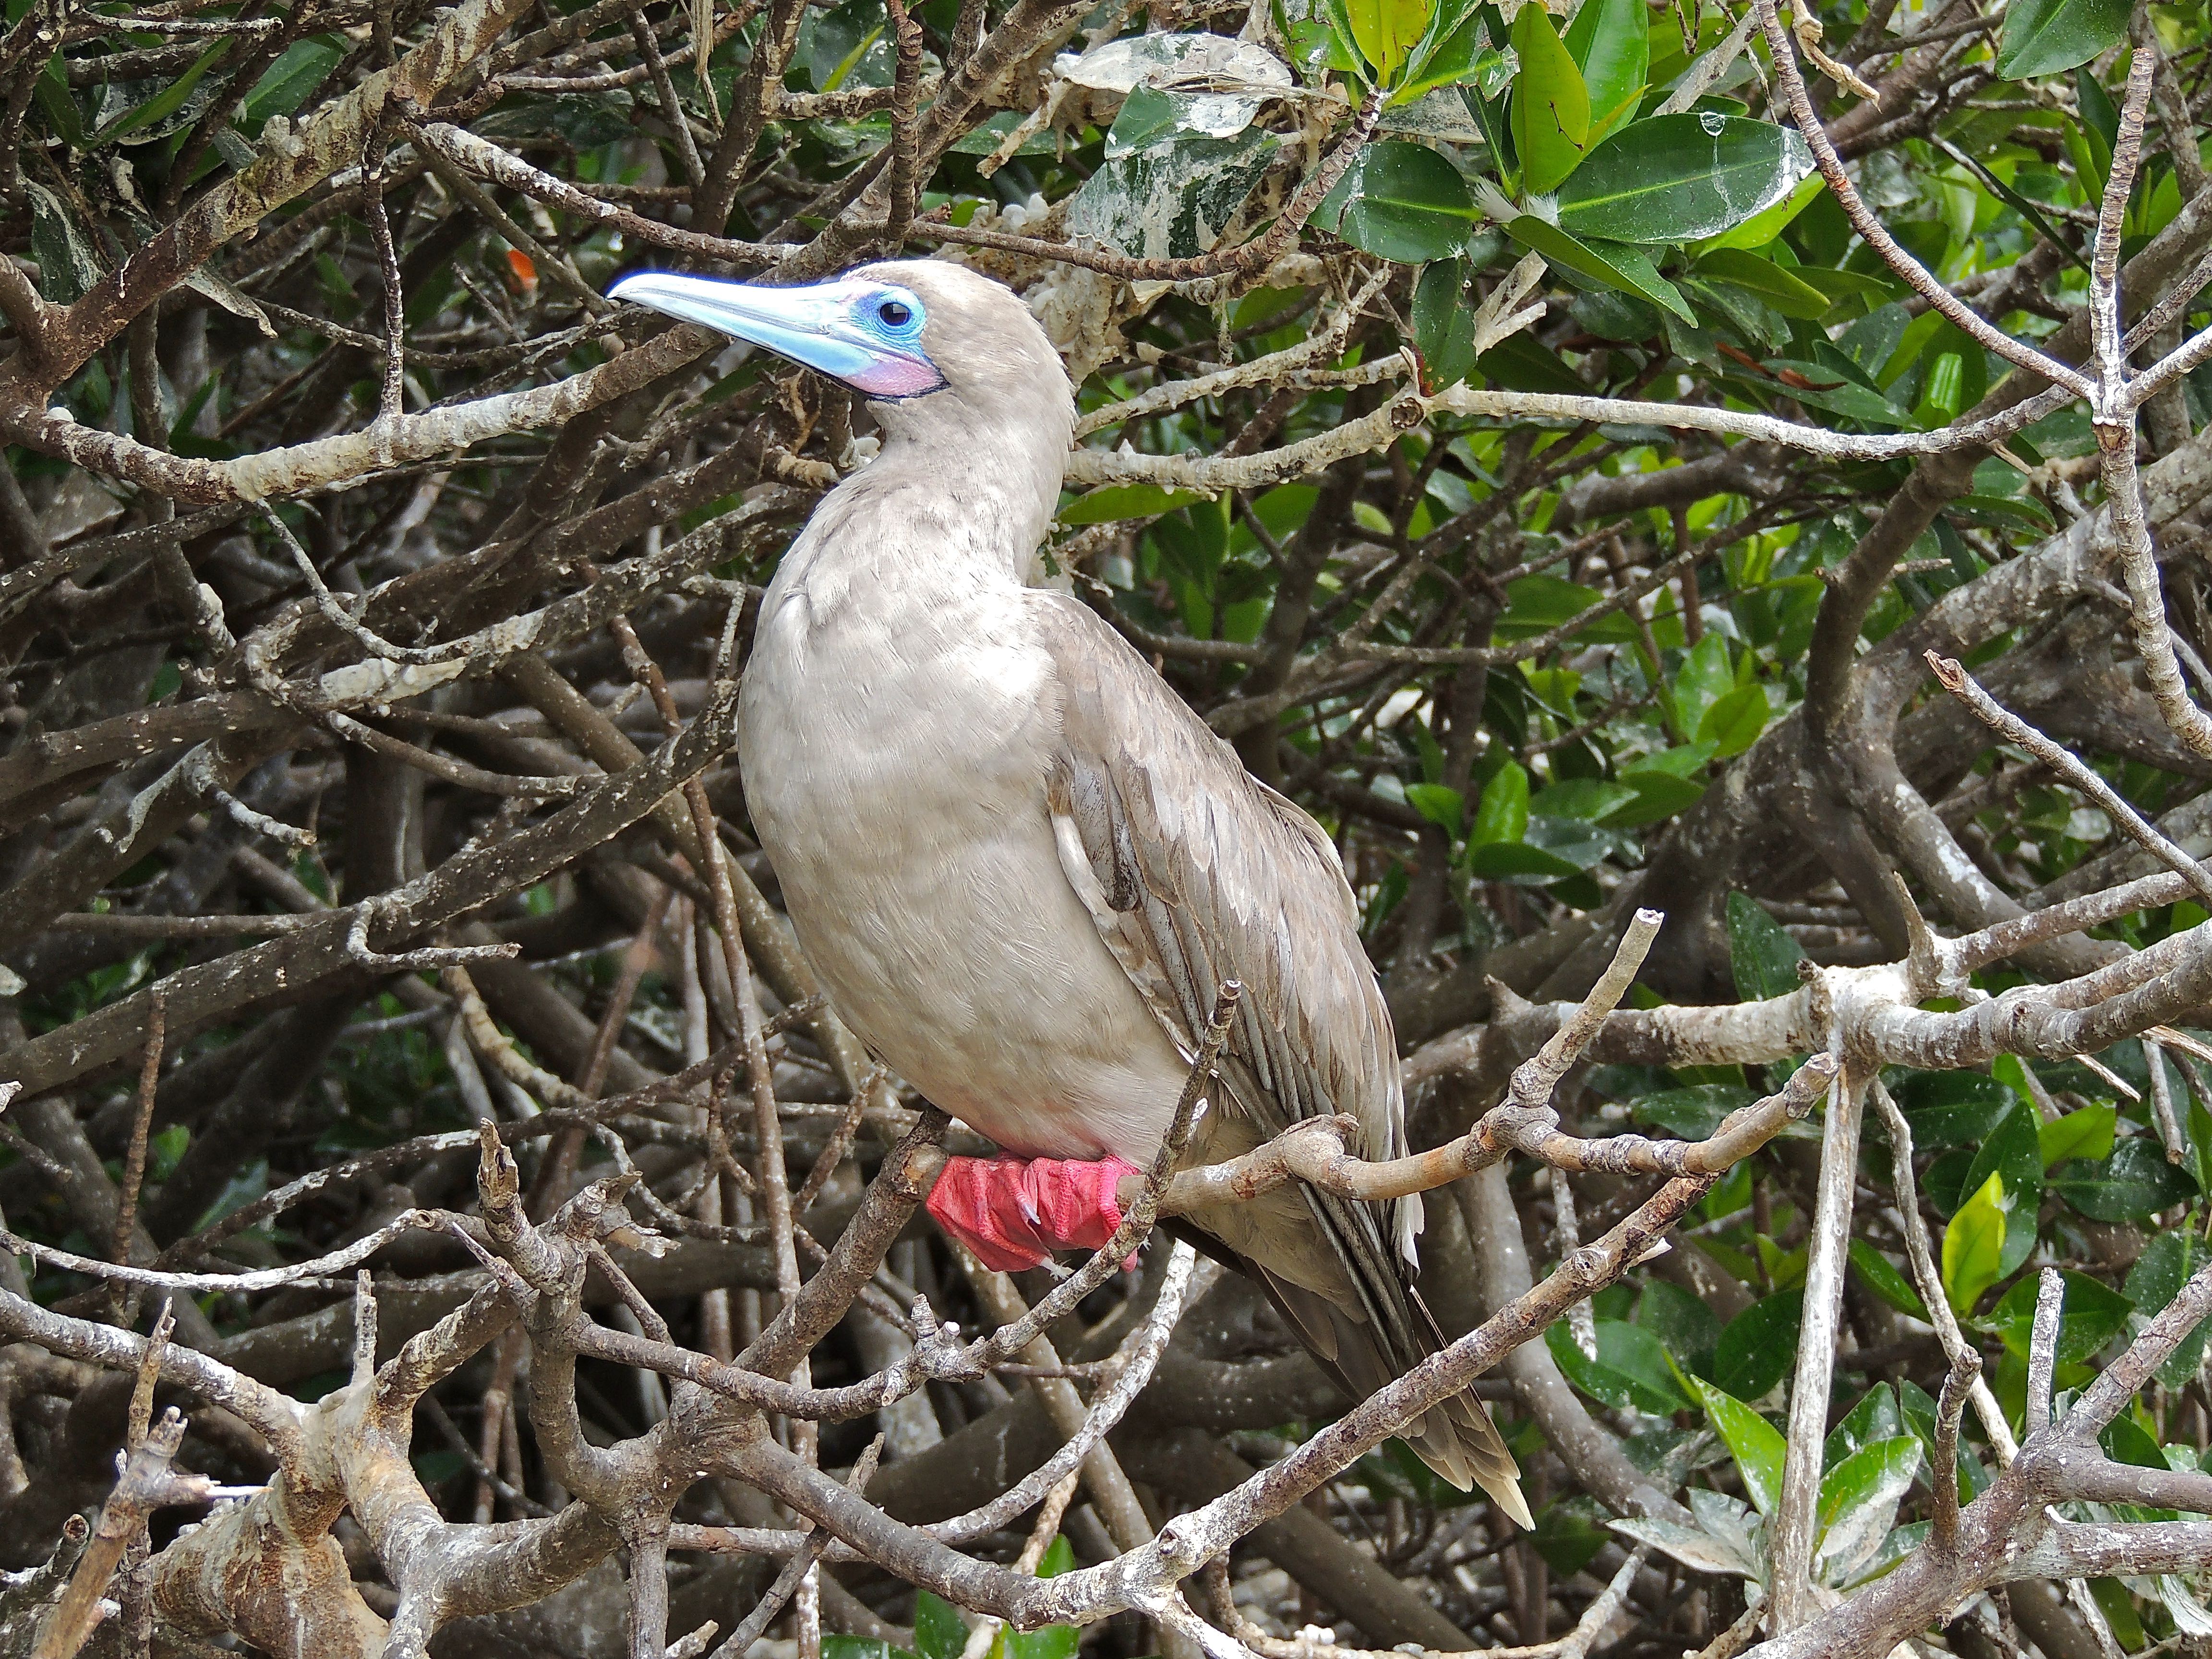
1023,867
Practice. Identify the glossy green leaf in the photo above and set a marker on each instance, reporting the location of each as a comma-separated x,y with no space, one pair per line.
1444,325
2091,1314
1438,803
1764,957
1385,31
1759,1346
1858,1505
1951,1108
1401,200
2013,1150
2043,37
1502,860
1874,1418
1755,1443
1551,109
63,249
1682,178
1502,814
2134,1182
1581,797
1570,1533
290,81
1658,795
1631,1369
1973,1246
838,1646
2085,1133
939,1631
1733,722
1686,1327
2170,1261
1765,226
1615,264
1536,604
1113,502
1775,285
1692,1113
163,104
1457,50
1610,41
1885,1279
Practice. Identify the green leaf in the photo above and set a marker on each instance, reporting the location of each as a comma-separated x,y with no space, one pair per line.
1682,178
52,91
939,1631
1631,1369
1885,1279
2172,1260
1764,226
2014,1150
2086,1134
1686,1327
1110,502
1858,1505
2091,1314
1659,794
2042,37
1536,604
1589,798
1385,31
1774,284
1974,1245
1759,1346
67,266
1755,1443
2134,1182
1550,111
1692,1113
1438,803
1171,200
1951,1108
164,103
1505,861
1569,1535
1764,957
1401,200
1874,1418
1502,814
1444,325
1732,724
1455,52
1614,263
1610,41
290,81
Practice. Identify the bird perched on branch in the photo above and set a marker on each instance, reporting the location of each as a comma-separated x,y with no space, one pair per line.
1023,867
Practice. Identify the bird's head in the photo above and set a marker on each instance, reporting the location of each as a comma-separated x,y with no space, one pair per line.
914,336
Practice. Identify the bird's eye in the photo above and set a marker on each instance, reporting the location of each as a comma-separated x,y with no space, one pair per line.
895,314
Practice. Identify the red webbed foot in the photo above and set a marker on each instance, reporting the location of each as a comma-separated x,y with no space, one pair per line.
1013,1212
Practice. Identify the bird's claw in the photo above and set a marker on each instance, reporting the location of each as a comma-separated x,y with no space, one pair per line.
1014,1212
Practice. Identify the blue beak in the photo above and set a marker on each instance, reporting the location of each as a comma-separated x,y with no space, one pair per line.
837,328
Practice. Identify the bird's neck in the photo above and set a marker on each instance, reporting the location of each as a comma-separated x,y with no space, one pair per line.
939,510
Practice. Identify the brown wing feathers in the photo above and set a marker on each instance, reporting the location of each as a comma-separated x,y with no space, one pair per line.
1197,874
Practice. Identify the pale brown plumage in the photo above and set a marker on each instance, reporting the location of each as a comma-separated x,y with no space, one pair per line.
1020,864
1197,873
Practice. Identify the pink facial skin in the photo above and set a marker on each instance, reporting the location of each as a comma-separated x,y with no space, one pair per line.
897,377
